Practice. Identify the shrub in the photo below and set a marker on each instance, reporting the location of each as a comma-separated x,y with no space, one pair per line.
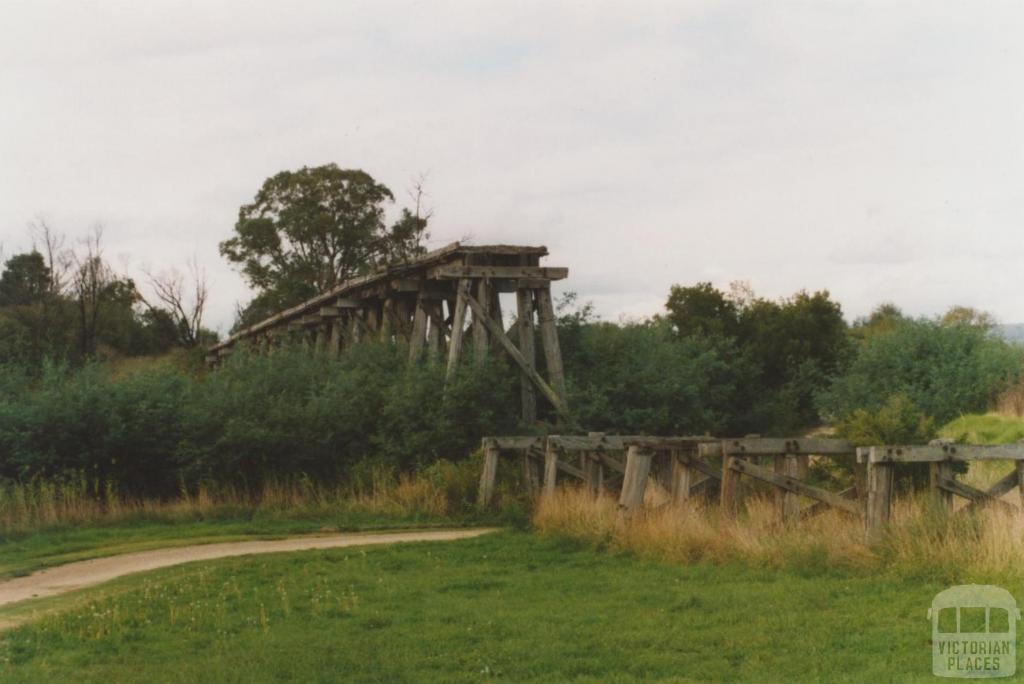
943,370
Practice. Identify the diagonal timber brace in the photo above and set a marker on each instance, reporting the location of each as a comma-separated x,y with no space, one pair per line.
496,330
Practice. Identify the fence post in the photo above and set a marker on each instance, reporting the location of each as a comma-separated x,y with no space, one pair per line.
879,505
634,481
489,473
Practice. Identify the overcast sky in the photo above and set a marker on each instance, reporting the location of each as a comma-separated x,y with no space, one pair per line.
873,149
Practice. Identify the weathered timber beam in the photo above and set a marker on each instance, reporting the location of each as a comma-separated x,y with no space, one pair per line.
793,485
820,507
514,442
426,289
972,494
538,272
700,465
621,442
791,446
495,329
709,450
405,285
663,443
945,452
571,470
348,303
612,463
1004,486
587,443
330,311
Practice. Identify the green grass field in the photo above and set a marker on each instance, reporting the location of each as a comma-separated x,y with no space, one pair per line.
511,606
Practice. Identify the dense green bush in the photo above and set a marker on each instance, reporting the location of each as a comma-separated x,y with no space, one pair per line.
80,421
780,351
943,369
639,378
280,416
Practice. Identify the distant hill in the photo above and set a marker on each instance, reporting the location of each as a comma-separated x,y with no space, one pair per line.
1011,332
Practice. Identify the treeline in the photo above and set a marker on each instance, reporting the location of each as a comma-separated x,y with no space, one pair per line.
712,364
734,364
63,301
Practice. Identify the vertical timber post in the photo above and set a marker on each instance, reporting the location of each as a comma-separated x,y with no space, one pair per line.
879,506
524,309
549,339
787,504
778,493
434,334
592,473
489,473
730,496
860,479
458,328
419,330
530,474
938,471
550,469
386,327
334,344
634,481
320,345
682,477
481,338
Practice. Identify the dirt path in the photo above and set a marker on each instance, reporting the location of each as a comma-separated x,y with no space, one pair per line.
65,578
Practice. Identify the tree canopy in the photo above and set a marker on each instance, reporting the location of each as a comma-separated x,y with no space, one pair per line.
309,230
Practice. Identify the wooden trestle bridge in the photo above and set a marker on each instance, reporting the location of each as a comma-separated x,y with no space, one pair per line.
433,302
722,470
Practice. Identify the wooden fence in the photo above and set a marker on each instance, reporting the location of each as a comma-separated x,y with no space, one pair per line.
686,466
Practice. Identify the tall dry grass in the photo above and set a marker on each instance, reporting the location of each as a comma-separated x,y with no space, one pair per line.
28,507
920,540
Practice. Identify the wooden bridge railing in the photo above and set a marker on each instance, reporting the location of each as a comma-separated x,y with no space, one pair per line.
626,463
